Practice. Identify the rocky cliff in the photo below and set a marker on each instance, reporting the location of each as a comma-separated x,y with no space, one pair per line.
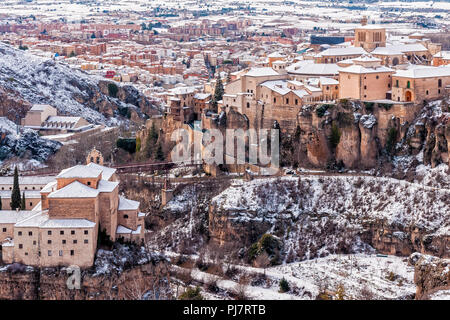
117,275
431,275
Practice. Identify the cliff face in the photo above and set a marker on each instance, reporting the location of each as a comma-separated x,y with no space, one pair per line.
431,275
126,272
26,79
135,283
362,131
317,216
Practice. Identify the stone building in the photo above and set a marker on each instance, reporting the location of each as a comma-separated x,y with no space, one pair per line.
62,229
44,118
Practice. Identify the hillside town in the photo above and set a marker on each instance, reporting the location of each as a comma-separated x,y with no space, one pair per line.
266,150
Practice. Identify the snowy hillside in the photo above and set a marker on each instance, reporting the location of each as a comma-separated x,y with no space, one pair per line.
72,92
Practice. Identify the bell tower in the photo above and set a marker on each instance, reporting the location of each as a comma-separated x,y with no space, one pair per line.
94,156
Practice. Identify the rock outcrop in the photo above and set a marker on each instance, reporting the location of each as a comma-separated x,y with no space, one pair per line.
431,274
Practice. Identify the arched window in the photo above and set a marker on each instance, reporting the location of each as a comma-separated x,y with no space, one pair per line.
440,83
248,104
125,216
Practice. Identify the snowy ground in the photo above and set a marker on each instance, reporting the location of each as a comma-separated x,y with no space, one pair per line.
360,276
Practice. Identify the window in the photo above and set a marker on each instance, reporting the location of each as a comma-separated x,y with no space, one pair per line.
64,242
3,188
328,88
125,216
4,229
378,77
31,203
86,241
439,90
49,241
248,104
440,83
408,84
60,253
336,87
34,243
49,232
365,87
72,252
49,253
26,188
20,233
89,183
274,100
389,85
34,188
20,246
61,232
26,253
396,83
296,101
287,101
427,92
30,233
86,231
75,241
72,232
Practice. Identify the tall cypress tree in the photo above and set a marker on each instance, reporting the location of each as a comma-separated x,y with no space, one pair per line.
0,203
15,194
22,202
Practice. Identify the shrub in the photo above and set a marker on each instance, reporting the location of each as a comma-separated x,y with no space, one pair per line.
320,111
391,138
369,106
191,294
385,106
127,144
113,89
335,136
284,285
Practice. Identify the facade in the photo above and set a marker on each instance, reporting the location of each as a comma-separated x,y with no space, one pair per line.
62,229
419,83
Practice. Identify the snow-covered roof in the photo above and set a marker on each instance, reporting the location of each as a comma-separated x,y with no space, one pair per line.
40,107
443,55
33,221
366,58
106,171
29,180
261,72
361,69
371,27
317,69
202,96
423,72
80,171
127,204
279,86
141,214
67,223
75,190
107,186
13,216
346,51
275,55
49,187
328,81
121,229
387,51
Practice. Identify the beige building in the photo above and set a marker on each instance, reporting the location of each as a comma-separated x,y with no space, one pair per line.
44,118
62,229
419,83
365,80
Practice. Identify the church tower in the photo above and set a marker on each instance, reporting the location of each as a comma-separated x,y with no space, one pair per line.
94,156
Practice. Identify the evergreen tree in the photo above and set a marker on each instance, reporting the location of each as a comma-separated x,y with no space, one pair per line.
22,202
15,194
159,153
0,203
150,143
218,92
